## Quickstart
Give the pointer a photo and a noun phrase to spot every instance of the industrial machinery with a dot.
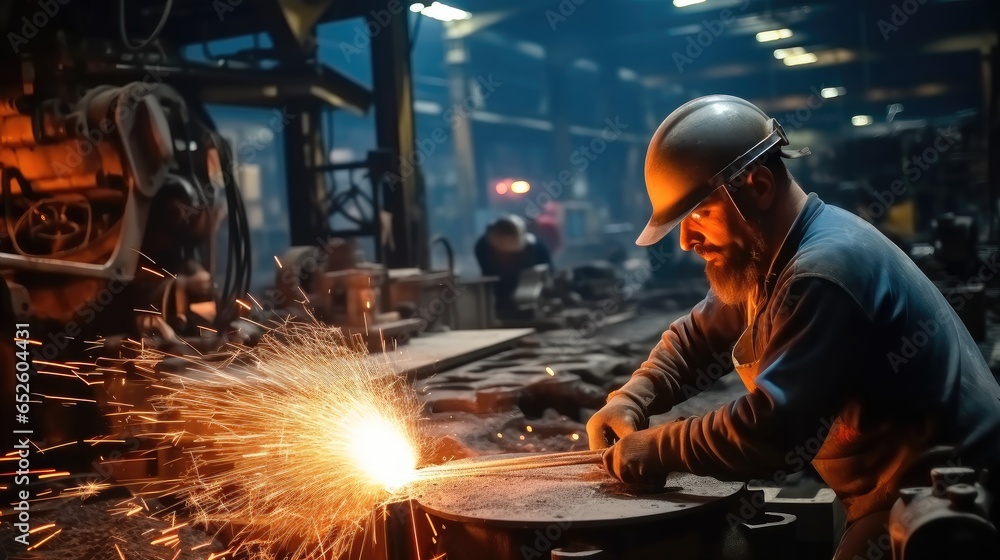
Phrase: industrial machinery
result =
(123, 225)
(111, 201)
(335, 285)
(949, 519)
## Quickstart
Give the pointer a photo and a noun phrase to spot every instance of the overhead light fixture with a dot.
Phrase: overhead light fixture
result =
(861, 120)
(439, 11)
(773, 35)
(502, 187)
(686, 3)
(790, 51)
(800, 59)
(831, 92)
(586, 64)
(520, 187)
(627, 75)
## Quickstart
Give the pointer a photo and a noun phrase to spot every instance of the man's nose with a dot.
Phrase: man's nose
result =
(689, 236)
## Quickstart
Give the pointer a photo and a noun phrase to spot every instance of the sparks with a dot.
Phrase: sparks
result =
(300, 438)
(304, 422)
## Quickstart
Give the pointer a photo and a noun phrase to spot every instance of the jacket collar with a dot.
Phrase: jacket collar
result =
(810, 210)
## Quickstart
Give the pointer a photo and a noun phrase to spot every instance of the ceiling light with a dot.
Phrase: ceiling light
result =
(799, 59)
(520, 187)
(627, 74)
(790, 51)
(831, 92)
(442, 12)
(416, 7)
(586, 64)
(861, 120)
(773, 35)
(686, 3)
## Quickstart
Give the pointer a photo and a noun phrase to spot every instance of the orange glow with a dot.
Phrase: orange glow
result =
(501, 187)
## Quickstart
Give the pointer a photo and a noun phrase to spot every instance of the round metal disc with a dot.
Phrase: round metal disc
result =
(582, 494)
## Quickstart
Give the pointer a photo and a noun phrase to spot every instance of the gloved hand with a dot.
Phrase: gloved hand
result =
(620, 417)
(636, 458)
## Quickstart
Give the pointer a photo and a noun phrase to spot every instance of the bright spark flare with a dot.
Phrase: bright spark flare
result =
(299, 439)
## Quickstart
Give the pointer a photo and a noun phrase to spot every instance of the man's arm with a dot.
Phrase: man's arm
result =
(690, 356)
(810, 363)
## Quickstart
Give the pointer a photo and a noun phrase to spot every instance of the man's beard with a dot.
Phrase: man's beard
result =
(740, 270)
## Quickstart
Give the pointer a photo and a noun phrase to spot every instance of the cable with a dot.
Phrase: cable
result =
(152, 37)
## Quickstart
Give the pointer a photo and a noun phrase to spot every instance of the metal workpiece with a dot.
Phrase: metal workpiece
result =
(584, 495)
(579, 511)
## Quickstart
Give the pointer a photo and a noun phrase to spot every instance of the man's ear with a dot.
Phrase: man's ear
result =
(762, 187)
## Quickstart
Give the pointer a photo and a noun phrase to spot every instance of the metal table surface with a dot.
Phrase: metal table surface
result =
(582, 494)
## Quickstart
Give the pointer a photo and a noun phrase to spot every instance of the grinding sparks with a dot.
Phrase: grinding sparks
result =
(301, 438)
(384, 452)
(297, 444)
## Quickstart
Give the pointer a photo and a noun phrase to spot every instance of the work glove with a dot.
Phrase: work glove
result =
(620, 417)
(636, 459)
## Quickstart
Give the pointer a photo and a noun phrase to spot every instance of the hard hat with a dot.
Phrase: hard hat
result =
(703, 145)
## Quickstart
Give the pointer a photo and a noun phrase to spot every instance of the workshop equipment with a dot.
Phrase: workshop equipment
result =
(949, 519)
(334, 284)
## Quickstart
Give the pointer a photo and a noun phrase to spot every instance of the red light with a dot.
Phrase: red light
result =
(501, 187)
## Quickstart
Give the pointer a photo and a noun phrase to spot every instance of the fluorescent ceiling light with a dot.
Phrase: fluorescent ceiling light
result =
(831, 92)
(790, 51)
(439, 11)
(861, 120)
(586, 64)
(686, 3)
(773, 35)
(799, 59)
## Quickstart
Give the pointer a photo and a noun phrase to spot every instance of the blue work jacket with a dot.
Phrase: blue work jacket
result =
(854, 361)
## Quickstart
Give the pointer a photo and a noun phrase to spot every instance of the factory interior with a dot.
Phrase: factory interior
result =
(484, 280)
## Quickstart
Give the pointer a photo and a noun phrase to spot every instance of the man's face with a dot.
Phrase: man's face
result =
(506, 244)
(734, 249)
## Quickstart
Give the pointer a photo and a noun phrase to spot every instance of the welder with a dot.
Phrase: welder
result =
(853, 360)
(505, 251)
